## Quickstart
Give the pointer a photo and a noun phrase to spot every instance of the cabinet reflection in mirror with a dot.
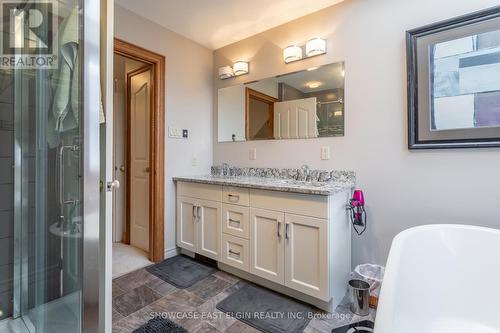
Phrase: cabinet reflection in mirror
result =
(300, 105)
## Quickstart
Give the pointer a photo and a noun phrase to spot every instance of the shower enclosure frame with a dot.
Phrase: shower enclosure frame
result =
(91, 259)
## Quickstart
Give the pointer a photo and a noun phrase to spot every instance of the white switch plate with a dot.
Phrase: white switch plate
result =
(325, 153)
(253, 154)
(195, 161)
(174, 132)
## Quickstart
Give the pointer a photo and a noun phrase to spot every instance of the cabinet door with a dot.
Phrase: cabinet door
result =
(186, 223)
(209, 228)
(306, 255)
(267, 244)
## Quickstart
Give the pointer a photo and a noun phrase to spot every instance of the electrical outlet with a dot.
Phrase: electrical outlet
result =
(253, 154)
(195, 161)
(325, 153)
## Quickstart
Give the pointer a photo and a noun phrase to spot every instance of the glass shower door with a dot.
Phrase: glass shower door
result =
(45, 46)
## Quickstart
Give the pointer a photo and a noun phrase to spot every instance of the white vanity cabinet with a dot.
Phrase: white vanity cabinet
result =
(296, 243)
(199, 211)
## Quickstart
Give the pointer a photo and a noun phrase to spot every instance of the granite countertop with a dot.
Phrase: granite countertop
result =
(273, 184)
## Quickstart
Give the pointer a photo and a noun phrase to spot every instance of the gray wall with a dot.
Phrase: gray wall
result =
(188, 99)
(403, 189)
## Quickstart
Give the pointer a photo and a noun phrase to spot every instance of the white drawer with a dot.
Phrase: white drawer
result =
(292, 203)
(199, 191)
(235, 220)
(235, 252)
(235, 195)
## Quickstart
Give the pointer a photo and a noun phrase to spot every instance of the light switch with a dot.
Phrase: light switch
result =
(253, 154)
(195, 161)
(325, 153)
(174, 132)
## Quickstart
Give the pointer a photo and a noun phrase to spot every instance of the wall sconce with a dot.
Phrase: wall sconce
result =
(239, 68)
(313, 47)
(225, 72)
(292, 53)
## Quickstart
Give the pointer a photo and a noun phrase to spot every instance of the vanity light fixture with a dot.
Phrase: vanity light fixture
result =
(240, 68)
(292, 53)
(226, 72)
(315, 46)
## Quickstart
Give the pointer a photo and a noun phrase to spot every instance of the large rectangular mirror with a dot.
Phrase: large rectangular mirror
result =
(300, 105)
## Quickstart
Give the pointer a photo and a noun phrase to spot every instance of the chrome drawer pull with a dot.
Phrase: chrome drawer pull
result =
(279, 230)
(234, 253)
(236, 196)
(234, 221)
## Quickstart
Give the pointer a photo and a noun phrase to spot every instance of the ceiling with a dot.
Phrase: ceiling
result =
(216, 23)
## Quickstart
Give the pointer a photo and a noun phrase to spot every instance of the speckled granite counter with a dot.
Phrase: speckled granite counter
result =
(274, 184)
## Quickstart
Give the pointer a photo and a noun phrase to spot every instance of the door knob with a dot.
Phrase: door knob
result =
(122, 168)
(114, 185)
(146, 169)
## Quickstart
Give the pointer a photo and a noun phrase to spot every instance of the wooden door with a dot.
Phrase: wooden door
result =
(295, 119)
(139, 114)
(267, 249)
(186, 223)
(306, 255)
(209, 228)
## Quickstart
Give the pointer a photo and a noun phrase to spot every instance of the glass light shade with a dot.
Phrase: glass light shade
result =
(315, 47)
(292, 53)
(240, 68)
(225, 72)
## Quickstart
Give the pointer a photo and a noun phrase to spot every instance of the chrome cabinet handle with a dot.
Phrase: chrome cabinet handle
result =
(234, 253)
(198, 211)
(236, 196)
(279, 229)
(234, 221)
(286, 230)
(194, 211)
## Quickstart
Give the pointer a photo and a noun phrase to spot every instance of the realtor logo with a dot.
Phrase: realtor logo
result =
(28, 38)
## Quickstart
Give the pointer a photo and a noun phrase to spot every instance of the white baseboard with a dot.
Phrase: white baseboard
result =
(169, 253)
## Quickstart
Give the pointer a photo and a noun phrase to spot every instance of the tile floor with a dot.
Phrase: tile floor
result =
(140, 295)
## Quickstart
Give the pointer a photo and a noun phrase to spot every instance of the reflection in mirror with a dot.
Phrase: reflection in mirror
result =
(301, 105)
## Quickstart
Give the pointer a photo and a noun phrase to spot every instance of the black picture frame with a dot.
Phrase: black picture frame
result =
(414, 110)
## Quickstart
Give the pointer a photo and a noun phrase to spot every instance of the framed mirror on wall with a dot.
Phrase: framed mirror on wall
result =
(301, 105)
(454, 83)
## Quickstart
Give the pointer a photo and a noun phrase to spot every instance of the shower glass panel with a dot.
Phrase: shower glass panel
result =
(41, 122)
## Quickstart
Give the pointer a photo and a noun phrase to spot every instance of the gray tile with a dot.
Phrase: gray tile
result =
(7, 146)
(134, 279)
(232, 279)
(6, 170)
(116, 316)
(161, 287)
(7, 257)
(134, 300)
(241, 327)
(6, 224)
(6, 272)
(117, 291)
(131, 322)
(205, 327)
(209, 287)
(180, 301)
(6, 197)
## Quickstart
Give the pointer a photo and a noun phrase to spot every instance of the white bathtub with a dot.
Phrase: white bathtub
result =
(442, 279)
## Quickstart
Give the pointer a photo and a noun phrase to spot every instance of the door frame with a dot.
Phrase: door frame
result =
(157, 151)
(269, 100)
